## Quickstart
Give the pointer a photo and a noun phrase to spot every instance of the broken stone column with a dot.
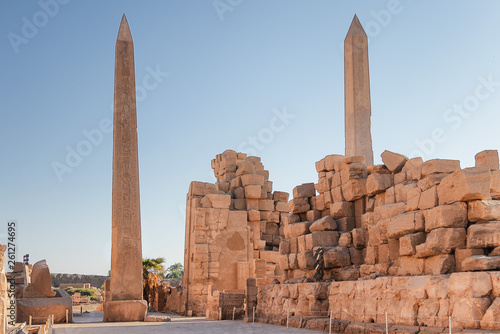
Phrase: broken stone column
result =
(126, 302)
(358, 138)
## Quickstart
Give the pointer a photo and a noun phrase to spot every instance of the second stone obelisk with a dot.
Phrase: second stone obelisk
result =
(126, 302)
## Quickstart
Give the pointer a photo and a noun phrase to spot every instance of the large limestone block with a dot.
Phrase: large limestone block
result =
(253, 191)
(428, 199)
(491, 316)
(483, 235)
(299, 205)
(484, 210)
(469, 285)
(439, 264)
(487, 158)
(304, 190)
(441, 241)
(465, 185)
(252, 179)
(406, 223)
(280, 196)
(216, 201)
(294, 230)
(431, 180)
(410, 265)
(41, 308)
(125, 310)
(453, 215)
(462, 254)
(408, 243)
(346, 224)
(341, 209)
(353, 171)
(393, 161)
(337, 257)
(270, 256)
(388, 211)
(331, 160)
(495, 184)
(202, 188)
(354, 189)
(435, 166)
(359, 238)
(321, 239)
(378, 183)
(481, 262)
(326, 223)
(468, 312)
(306, 259)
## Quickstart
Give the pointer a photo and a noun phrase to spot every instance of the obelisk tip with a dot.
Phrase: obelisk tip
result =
(356, 29)
(124, 31)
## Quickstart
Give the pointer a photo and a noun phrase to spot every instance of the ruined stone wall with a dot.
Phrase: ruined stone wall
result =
(415, 239)
(407, 300)
(233, 229)
(407, 217)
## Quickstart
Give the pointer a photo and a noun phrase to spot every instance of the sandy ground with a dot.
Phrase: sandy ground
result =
(92, 323)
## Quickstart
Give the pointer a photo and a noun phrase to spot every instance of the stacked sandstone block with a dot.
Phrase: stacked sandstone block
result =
(471, 299)
(406, 217)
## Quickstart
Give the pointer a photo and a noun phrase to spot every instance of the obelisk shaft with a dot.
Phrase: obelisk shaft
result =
(126, 252)
(358, 138)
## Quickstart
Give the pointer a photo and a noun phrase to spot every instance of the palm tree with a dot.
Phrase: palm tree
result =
(152, 275)
(175, 271)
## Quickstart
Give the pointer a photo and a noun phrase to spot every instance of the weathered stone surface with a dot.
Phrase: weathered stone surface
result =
(359, 238)
(377, 183)
(435, 166)
(157, 318)
(41, 308)
(468, 312)
(410, 265)
(394, 161)
(217, 201)
(491, 316)
(345, 239)
(401, 225)
(483, 235)
(341, 209)
(321, 239)
(465, 185)
(469, 285)
(354, 189)
(252, 179)
(439, 264)
(353, 171)
(326, 223)
(388, 211)
(487, 158)
(453, 215)
(408, 243)
(495, 184)
(358, 139)
(126, 251)
(41, 282)
(484, 210)
(280, 196)
(331, 160)
(428, 199)
(431, 180)
(462, 254)
(294, 230)
(299, 205)
(337, 257)
(441, 241)
(125, 310)
(306, 259)
(346, 224)
(481, 262)
(304, 190)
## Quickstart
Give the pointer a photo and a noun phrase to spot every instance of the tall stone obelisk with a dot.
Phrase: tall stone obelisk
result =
(358, 138)
(126, 302)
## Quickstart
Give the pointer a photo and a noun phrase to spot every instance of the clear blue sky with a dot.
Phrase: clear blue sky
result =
(229, 71)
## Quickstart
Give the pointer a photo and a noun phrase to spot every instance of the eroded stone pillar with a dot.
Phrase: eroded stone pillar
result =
(126, 302)
(358, 138)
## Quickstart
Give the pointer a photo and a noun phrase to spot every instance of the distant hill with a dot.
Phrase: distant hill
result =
(94, 280)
